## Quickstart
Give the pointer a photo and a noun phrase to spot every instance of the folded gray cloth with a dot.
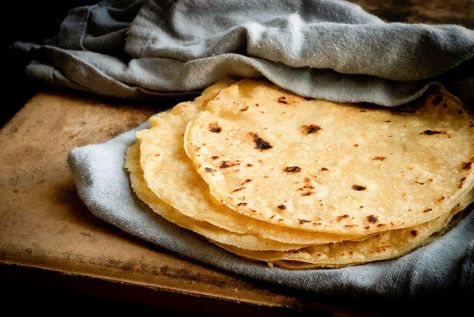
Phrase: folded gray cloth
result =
(103, 184)
(317, 48)
(324, 49)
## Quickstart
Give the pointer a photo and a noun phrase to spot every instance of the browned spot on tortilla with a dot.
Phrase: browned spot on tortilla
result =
(248, 180)
(388, 121)
(214, 127)
(427, 210)
(214, 157)
(310, 128)
(363, 110)
(292, 169)
(281, 207)
(245, 108)
(303, 221)
(413, 232)
(324, 169)
(358, 187)
(157, 154)
(355, 145)
(380, 225)
(306, 187)
(372, 218)
(418, 182)
(242, 204)
(466, 165)
(350, 226)
(249, 165)
(441, 198)
(461, 182)
(339, 218)
(226, 164)
(367, 227)
(378, 158)
(437, 100)
(210, 170)
(260, 144)
(432, 132)
(283, 100)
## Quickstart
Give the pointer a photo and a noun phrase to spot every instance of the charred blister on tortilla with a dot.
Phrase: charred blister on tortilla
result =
(260, 144)
(372, 218)
(283, 100)
(432, 132)
(358, 187)
(227, 164)
(461, 182)
(341, 217)
(310, 128)
(292, 169)
(210, 170)
(214, 127)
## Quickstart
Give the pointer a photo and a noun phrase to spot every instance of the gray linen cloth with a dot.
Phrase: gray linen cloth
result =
(324, 49)
(317, 48)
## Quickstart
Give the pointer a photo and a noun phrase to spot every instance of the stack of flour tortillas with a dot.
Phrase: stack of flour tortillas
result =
(304, 183)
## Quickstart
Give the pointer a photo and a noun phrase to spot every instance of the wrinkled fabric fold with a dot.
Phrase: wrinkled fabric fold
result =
(317, 48)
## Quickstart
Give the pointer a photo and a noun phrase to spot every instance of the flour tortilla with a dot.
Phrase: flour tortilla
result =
(329, 167)
(172, 178)
(242, 241)
(384, 245)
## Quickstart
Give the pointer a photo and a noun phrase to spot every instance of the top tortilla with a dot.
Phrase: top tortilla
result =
(331, 167)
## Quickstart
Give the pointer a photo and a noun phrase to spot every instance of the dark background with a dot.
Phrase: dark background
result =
(28, 21)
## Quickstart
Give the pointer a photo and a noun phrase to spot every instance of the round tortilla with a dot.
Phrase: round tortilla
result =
(172, 178)
(329, 167)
